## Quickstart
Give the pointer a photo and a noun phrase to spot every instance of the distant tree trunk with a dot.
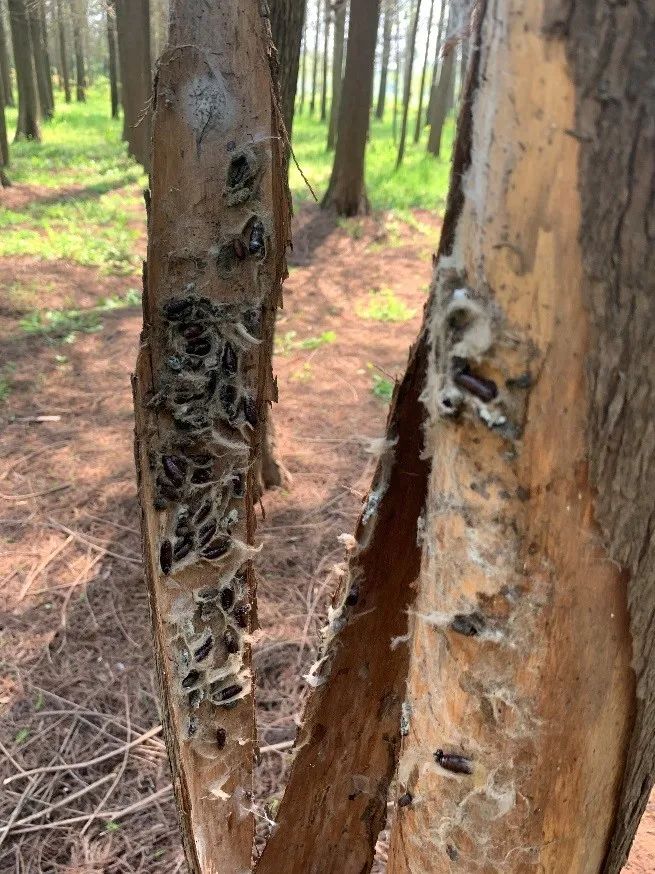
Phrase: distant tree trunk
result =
(78, 48)
(326, 45)
(437, 59)
(63, 53)
(303, 68)
(396, 75)
(409, 66)
(287, 22)
(28, 95)
(312, 102)
(4, 144)
(340, 8)
(113, 58)
(46, 52)
(5, 66)
(419, 115)
(443, 98)
(386, 53)
(133, 29)
(38, 50)
(347, 190)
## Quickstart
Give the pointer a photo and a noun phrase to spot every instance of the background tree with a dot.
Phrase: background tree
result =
(41, 66)
(419, 113)
(388, 10)
(214, 178)
(287, 23)
(28, 98)
(339, 8)
(4, 143)
(63, 52)
(78, 48)
(347, 191)
(303, 71)
(113, 58)
(409, 66)
(312, 101)
(133, 30)
(5, 66)
(43, 23)
(326, 44)
(443, 95)
(437, 60)
(396, 75)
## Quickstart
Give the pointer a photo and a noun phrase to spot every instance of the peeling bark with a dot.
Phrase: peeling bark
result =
(218, 227)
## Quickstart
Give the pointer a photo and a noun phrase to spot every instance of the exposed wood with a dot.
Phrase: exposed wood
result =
(409, 66)
(347, 191)
(217, 226)
(133, 33)
(521, 693)
(340, 8)
(28, 98)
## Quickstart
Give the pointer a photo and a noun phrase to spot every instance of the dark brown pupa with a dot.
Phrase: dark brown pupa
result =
(454, 763)
(166, 556)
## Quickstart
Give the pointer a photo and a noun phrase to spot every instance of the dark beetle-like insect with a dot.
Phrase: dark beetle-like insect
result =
(405, 800)
(207, 532)
(183, 548)
(191, 679)
(453, 762)
(231, 641)
(167, 490)
(238, 484)
(257, 245)
(203, 512)
(241, 614)
(178, 308)
(484, 389)
(221, 738)
(204, 649)
(166, 556)
(229, 360)
(174, 468)
(227, 598)
(468, 624)
(250, 411)
(199, 347)
(217, 548)
(229, 692)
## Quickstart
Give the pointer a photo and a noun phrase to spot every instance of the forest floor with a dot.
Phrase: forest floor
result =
(77, 682)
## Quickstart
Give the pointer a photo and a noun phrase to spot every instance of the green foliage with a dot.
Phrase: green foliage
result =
(352, 226)
(93, 218)
(421, 182)
(382, 387)
(286, 343)
(5, 388)
(64, 325)
(384, 306)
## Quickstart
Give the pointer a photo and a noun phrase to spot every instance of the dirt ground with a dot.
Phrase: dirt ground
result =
(76, 685)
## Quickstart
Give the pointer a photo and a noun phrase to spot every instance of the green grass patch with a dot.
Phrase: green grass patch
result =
(287, 342)
(64, 325)
(382, 387)
(384, 306)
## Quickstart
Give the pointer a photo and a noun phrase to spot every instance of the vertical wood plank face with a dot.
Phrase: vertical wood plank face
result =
(521, 696)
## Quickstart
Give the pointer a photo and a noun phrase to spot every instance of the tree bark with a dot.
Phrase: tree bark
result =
(287, 23)
(133, 30)
(28, 98)
(78, 48)
(443, 98)
(396, 78)
(303, 67)
(386, 54)
(63, 53)
(5, 67)
(347, 191)
(340, 8)
(38, 50)
(419, 114)
(326, 44)
(312, 102)
(218, 225)
(435, 68)
(46, 52)
(4, 144)
(409, 66)
(113, 58)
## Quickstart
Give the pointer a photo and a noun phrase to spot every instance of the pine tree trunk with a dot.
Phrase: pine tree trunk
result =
(113, 58)
(303, 67)
(396, 77)
(326, 44)
(287, 22)
(28, 97)
(133, 31)
(5, 67)
(218, 224)
(46, 52)
(312, 102)
(386, 53)
(443, 97)
(4, 144)
(78, 48)
(63, 53)
(409, 66)
(436, 67)
(347, 191)
(337, 69)
(419, 114)
(38, 50)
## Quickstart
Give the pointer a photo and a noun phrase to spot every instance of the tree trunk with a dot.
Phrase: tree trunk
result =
(340, 8)
(396, 77)
(312, 102)
(435, 68)
(419, 114)
(443, 97)
(78, 48)
(326, 43)
(287, 22)
(38, 50)
(63, 53)
(218, 225)
(409, 66)
(5, 67)
(46, 52)
(303, 67)
(4, 144)
(28, 98)
(113, 59)
(133, 30)
(386, 53)
(347, 191)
